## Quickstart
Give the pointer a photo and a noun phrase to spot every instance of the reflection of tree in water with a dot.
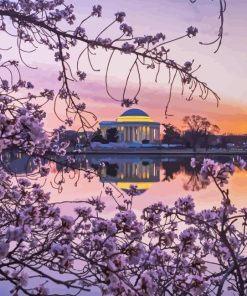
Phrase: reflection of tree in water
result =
(111, 169)
(171, 170)
(126, 170)
(194, 182)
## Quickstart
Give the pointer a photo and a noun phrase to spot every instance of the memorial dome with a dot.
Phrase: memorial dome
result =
(134, 115)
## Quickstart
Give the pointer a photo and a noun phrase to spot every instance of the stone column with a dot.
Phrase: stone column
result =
(157, 134)
(144, 132)
(122, 134)
(139, 134)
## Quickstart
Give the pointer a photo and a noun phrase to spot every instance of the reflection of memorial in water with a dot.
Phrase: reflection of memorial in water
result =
(80, 162)
(124, 170)
(18, 162)
(141, 173)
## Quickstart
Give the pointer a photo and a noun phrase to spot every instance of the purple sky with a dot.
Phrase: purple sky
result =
(224, 71)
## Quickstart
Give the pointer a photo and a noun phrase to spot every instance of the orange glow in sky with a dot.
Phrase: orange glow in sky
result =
(224, 71)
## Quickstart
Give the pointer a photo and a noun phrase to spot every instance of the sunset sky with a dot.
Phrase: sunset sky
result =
(224, 72)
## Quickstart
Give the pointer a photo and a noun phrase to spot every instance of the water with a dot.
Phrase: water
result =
(158, 178)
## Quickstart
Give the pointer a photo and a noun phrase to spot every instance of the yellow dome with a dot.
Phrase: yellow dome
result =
(134, 115)
(141, 186)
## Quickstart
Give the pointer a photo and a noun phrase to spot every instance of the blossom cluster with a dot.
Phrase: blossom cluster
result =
(168, 250)
(22, 126)
(165, 250)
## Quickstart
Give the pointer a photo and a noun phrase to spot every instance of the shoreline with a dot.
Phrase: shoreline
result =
(158, 152)
(149, 151)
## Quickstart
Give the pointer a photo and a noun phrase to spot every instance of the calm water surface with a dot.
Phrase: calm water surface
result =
(158, 178)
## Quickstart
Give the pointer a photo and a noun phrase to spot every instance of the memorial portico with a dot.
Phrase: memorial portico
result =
(134, 126)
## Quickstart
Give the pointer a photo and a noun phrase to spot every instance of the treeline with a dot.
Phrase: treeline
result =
(112, 135)
(199, 132)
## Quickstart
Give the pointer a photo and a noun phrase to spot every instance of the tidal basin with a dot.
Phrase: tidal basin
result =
(157, 177)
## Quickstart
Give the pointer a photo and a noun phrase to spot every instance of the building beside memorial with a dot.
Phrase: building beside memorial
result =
(134, 127)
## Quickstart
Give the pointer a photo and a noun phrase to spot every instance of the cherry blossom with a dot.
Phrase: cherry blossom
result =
(163, 251)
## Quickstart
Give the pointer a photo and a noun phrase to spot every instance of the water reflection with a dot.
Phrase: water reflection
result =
(142, 171)
(19, 163)
(127, 171)
(174, 167)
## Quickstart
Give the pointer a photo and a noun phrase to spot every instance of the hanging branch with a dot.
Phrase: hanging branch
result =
(148, 48)
(219, 39)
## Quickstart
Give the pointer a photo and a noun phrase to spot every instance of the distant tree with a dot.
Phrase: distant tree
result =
(171, 134)
(198, 129)
(112, 135)
(98, 137)
(145, 141)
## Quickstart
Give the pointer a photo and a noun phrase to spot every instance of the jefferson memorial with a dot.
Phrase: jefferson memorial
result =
(134, 127)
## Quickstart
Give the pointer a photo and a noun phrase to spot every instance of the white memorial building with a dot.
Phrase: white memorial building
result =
(134, 127)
